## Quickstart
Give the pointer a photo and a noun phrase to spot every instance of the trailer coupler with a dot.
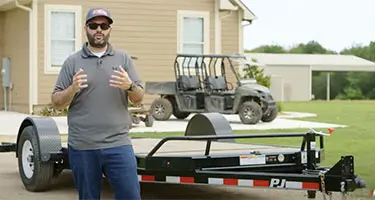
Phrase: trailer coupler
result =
(341, 177)
(8, 147)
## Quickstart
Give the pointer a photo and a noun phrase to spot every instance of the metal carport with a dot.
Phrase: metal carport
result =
(314, 62)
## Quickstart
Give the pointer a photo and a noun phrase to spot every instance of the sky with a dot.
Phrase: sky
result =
(335, 24)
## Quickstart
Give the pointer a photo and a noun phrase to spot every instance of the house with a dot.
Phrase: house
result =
(36, 36)
(291, 74)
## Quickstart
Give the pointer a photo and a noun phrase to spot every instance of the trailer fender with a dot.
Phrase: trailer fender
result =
(209, 124)
(47, 134)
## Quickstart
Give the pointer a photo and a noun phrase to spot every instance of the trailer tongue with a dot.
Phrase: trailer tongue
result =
(207, 154)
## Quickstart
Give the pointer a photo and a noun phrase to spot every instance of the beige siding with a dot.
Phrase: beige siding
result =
(230, 40)
(147, 29)
(290, 83)
(16, 47)
(230, 34)
(1, 57)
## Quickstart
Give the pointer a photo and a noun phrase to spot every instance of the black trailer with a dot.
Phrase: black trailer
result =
(207, 154)
(140, 114)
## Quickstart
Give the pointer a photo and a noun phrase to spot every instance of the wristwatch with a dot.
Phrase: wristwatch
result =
(132, 87)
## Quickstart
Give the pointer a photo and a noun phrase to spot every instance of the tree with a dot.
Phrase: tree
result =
(312, 47)
(268, 49)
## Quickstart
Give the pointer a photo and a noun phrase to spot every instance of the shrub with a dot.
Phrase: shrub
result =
(53, 112)
(279, 106)
(257, 73)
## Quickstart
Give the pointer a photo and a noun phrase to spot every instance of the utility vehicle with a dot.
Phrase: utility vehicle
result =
(211, 83)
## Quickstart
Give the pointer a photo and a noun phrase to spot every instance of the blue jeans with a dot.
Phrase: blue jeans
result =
(118, 164)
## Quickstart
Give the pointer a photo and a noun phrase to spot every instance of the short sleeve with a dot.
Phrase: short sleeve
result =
(130, 68)
(65, 77)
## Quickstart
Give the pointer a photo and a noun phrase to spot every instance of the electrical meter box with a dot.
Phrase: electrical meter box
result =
(5, 72)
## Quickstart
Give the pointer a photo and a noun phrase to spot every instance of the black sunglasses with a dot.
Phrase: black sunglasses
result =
(94, 26)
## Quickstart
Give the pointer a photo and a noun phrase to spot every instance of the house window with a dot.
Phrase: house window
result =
(193, 33)
(62, 35)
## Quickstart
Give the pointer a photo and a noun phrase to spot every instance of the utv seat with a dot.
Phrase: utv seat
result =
(220, 98)
(217, 85)
(190, 87)
(188, 83)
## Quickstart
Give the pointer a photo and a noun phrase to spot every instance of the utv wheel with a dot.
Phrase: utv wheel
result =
(161, 109)
(270, 116)
(180, 115)
(176, 112)
(35, 175)
(250, 112)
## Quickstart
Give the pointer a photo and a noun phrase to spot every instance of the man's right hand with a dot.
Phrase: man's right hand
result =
(78, 81)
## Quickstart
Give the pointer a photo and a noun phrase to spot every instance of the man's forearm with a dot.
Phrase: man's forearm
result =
(136, 96)
(62, 98)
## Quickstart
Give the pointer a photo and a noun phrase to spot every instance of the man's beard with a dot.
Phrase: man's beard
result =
(95, 43)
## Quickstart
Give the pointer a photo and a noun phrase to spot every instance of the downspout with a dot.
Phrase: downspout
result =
(218, 42)
(217, 28)
(31, 48)
(241, 29)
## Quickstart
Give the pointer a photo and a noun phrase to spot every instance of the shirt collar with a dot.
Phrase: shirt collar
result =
(87, 53)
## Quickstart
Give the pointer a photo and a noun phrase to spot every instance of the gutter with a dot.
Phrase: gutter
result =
(248, 15)
(32, 51)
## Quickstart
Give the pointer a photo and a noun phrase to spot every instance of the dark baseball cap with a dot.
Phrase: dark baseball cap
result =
(99, 12)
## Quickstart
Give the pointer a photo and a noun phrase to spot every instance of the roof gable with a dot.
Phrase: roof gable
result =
(248, 15)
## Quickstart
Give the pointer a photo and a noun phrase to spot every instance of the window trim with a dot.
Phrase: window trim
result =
(206, 30)
(48, 9)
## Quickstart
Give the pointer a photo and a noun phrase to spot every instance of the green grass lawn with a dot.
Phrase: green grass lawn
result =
(358, 139)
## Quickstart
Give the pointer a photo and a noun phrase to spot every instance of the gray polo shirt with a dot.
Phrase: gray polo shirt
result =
(98, 115)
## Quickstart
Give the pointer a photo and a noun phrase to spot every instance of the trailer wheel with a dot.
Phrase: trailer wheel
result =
(35, 175)
(250, 112)
(135, 119)
(149, 121)
(161, 109)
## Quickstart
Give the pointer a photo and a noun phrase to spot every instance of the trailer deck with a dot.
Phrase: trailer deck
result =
(142, 146)
(209, 154)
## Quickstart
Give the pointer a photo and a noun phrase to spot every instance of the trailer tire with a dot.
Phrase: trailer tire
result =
(39, 177)
(149, 121)
(135, 119)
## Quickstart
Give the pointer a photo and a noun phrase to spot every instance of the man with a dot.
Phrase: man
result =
(96, 82)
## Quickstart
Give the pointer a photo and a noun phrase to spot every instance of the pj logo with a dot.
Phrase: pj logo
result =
(278, 183)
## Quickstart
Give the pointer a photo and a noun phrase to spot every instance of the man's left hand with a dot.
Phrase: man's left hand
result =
(120, 80)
